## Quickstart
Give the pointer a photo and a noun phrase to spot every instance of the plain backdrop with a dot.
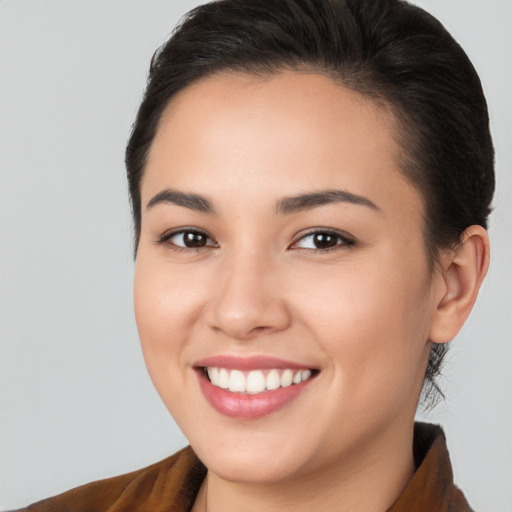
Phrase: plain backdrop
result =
(76, 403)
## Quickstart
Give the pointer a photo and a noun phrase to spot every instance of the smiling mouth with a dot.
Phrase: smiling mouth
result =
(256, 381)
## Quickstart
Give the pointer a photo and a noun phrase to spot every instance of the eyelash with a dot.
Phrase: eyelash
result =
(343, 240)
(165, 238)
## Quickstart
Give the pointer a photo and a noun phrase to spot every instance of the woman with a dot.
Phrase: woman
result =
(310, 184)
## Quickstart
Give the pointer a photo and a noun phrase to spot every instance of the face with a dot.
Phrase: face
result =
(282, 253)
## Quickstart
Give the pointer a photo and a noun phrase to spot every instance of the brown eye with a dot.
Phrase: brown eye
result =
(194, 239)
(190, 239)
(323, 240)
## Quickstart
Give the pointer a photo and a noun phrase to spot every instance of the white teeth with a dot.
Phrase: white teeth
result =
(213, 374)
(236, 382)
(255, 381)
(223, 381)
(273, 380)
(286, 378)
(305, 374)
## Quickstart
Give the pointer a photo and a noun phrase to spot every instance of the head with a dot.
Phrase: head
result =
(388, 51)
(310, 184)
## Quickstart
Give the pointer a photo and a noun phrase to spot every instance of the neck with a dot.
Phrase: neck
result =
(368, 480)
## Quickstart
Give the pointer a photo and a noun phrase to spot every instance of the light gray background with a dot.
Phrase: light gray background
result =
(75, 401)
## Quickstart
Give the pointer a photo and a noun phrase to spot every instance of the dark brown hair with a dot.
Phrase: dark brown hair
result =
(388, 50)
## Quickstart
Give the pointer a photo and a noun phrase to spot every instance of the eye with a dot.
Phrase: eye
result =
(323, 241)
(187, 239)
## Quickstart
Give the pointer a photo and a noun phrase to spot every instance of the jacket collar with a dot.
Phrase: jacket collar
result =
(431, 487)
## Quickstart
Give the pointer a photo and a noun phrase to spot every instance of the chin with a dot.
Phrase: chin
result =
(243, 468)
(252, 460)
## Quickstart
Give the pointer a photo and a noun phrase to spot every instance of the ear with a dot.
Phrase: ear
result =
(462, 271)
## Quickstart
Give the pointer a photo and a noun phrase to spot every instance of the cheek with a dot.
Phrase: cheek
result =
(165, 309)
(166, 312)
(372, 322)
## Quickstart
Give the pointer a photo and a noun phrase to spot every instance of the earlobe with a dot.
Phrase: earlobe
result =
(462, 271)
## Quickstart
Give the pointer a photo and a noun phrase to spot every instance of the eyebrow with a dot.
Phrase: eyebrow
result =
(284, 206)
(188, 200)
(311, 200)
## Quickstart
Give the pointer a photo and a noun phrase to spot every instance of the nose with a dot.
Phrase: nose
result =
(248, 299)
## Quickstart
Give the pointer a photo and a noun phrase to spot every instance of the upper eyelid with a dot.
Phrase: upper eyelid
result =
(166, 235)
(314, 231)
(185, 229)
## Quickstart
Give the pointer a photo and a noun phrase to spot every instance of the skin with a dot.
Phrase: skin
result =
(363, 313)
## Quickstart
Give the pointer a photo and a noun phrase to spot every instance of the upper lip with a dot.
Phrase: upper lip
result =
(248, 363)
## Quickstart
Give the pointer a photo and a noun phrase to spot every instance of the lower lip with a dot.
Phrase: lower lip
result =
(242, 405)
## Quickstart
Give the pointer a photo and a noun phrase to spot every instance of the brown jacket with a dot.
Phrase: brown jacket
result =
(171, 485)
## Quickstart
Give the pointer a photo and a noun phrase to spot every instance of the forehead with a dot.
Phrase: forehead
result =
(277, 135)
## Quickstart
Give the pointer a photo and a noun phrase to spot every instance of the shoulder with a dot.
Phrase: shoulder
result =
(169, 485)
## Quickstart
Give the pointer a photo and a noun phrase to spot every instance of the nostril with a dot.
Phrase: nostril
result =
(260, 328)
